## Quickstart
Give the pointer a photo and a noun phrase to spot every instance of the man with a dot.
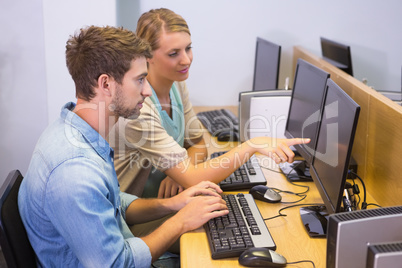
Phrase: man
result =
(69, 200)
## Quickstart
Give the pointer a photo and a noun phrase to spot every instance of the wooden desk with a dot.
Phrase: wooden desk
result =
(288, 232)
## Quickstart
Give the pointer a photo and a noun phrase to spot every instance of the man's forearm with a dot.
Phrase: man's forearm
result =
(163, 237)
(143, 210)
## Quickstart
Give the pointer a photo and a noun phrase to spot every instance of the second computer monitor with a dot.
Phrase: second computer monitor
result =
(266, 65)
(304, 116)
(306, 106)
(330, 164)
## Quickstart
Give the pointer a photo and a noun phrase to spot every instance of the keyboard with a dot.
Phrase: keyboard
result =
(217, 121)
(245, 177)
(243, 228)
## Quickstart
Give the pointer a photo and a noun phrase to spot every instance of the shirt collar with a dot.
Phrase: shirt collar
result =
(96, 141)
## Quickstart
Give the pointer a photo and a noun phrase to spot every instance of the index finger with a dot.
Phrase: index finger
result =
(291, 142)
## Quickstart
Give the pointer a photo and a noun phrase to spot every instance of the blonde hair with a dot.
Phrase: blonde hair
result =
(151, 24)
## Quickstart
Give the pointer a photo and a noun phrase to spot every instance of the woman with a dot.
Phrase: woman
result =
(168, 135)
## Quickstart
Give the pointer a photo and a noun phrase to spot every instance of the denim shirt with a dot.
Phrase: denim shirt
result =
(70, 201)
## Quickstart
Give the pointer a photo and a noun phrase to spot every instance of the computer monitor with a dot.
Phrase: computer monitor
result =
(266, 65)
(337, 54)
(304, 116)
(330, 164)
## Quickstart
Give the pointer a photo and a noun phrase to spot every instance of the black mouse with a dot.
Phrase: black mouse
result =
(227, 135)
(262, 257)
(266, 194)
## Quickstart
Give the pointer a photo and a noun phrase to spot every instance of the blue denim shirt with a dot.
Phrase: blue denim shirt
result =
(70, 201)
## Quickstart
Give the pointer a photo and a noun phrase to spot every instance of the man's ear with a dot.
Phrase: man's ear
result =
(104, 84)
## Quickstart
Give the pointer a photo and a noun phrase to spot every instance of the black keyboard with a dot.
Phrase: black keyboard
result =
(243, 228)
(217, 121)
(245, 177)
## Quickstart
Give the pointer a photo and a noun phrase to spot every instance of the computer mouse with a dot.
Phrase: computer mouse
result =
(227, 135)
(266, 194)
(262, 257)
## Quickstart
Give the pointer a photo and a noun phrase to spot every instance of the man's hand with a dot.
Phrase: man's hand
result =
(200, 210)
(204, 188)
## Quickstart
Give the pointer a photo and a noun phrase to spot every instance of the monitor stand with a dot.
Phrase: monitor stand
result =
(298, 171)
(315, 220)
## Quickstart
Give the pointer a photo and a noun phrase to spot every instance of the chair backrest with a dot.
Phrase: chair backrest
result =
(14, 241)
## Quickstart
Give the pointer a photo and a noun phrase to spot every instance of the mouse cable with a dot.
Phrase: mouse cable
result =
(270, 169)
(286, 175)
(292, 206)
(364, 203)
(295, 262)
(373, 204)
(301, 195)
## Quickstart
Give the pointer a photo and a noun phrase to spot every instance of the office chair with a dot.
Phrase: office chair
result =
(14, 241)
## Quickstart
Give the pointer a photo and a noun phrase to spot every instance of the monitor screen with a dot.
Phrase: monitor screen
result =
(337, 54)
(330, 164)
(306, 106)
(266, 65)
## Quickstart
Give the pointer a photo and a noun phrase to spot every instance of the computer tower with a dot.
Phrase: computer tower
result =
(245, 99)
(384, 255)
(350, 233)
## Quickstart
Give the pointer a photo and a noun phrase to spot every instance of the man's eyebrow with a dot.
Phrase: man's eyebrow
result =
(143, 74)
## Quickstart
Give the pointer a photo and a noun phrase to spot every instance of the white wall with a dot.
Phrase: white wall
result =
(34, 80)
(224, 34)
(23, 109)
(62, 19)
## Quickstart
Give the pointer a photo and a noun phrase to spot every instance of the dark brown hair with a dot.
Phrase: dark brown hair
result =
(94, 51)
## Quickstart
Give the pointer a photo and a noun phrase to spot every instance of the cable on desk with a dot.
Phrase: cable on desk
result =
(287, 178)
(372, 204)
(301, 195)
(295, 262)
(298, 205)
(364, 203)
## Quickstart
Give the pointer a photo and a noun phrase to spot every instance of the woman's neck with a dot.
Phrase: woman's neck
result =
(162, 90)
(161, 87)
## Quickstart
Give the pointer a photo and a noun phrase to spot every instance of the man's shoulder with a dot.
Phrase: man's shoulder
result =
(61, 142)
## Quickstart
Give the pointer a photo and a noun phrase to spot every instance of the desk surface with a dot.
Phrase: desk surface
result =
(288, 232)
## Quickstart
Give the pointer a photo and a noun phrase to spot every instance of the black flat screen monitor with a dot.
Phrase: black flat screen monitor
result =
(266, 65)
(337, 54)
(304, 116)
(330, 164)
